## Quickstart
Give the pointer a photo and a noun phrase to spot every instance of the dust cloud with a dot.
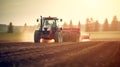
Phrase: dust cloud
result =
(27, 36)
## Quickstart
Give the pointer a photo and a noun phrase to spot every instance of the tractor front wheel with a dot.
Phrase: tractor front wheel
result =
(37, 36)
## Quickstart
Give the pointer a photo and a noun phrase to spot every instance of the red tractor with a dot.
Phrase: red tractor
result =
(48, 29)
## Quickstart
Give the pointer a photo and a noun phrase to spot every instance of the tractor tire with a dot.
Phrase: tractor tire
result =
(58, 37)
(37, 36)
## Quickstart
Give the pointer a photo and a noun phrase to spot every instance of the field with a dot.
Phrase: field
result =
(17, 37)
(18, 50)
(69, 54)
(10, 36)
(105, 35)
(29, 36)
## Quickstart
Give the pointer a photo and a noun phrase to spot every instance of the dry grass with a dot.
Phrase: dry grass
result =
(16, 37)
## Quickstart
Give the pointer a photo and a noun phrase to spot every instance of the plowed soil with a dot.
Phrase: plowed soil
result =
(68, 54)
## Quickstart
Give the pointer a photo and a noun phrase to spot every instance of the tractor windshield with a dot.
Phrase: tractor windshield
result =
(50, 22)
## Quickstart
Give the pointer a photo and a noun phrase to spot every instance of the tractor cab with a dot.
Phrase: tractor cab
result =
(49, 23)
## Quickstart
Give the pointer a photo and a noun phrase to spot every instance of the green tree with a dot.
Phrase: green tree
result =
(106, 25)
(114, 24)
(10, 28)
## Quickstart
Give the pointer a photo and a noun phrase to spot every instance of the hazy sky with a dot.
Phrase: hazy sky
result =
(26, 11)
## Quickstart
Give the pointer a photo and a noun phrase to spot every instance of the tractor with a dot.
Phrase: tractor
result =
(48, 29)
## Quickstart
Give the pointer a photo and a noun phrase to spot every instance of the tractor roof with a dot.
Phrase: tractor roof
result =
(50, 18)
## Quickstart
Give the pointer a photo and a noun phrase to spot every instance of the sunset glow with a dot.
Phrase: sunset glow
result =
(27, 11)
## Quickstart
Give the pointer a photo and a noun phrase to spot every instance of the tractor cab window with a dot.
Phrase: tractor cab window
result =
(50, 22)
(46, 22)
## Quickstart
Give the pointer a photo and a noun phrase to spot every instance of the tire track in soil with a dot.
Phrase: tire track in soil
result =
(64, 61)
(26, 56)
(53, 57)
(102, 55)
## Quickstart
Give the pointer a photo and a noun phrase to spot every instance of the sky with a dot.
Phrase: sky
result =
(20, 12)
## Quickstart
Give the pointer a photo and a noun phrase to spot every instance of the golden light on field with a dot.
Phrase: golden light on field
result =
(27, 11)
(41, 40)
(47, 40)
(51, 41)
(27, 37)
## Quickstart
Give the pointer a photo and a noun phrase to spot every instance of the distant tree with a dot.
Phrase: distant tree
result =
(71, 24)
(106, 25)
(25, 27)
(114, 24)
(65, 24)
(79, 25)
(91, 20)
(96, 26)
(10, 28)
(87, 25)
(92, 24)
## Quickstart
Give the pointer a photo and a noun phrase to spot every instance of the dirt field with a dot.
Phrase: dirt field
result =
(69, 54)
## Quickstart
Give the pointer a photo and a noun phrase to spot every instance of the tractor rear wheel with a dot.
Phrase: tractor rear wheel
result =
(58, 37)
(37, 36)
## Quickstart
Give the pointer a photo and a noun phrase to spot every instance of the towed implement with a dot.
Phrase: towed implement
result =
(71, 34)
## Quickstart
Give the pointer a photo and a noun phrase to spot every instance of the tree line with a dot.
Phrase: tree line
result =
(90, 26)
(70, 25)
(94, 25)
(25, 28)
